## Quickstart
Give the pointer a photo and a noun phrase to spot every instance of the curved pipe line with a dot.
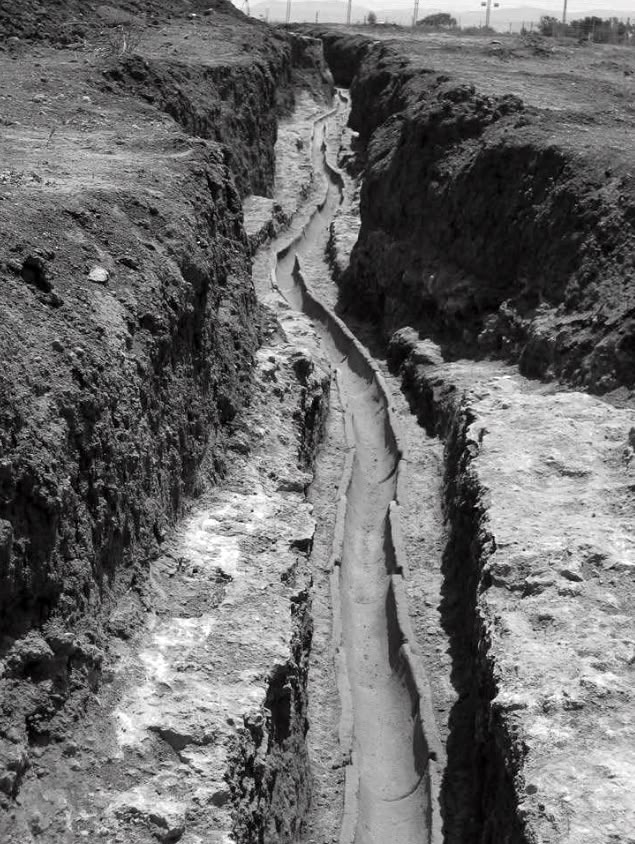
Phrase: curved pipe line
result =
(406, 795)
(410, 669)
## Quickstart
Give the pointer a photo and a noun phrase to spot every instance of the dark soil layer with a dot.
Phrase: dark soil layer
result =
(129, 320)
(499, 223)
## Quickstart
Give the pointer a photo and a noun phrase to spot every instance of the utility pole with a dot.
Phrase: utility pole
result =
(415, 14)
(564, 12)
(488, 10)
(348, 12)
(288, 15)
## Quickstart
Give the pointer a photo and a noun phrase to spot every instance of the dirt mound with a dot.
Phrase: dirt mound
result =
(72, 22)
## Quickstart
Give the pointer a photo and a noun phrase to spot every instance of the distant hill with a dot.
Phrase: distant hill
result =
(334, 11)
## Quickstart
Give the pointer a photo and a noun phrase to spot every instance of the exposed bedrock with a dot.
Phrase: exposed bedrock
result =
(528, 618)
(270, 777)
(129, 329)
(483, 226)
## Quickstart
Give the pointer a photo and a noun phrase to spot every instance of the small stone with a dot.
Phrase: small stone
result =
(401, 344)
(571, 574)
(220, 797)
(55, 300)
(426, 353)
(99, 275)
(571, 590)
(535, 584)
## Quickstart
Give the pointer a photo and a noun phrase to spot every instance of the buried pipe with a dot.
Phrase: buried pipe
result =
(386, 711)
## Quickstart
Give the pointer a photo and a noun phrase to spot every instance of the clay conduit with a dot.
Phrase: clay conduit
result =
(392, 781)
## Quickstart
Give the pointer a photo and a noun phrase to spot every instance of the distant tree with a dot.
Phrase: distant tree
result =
(593, 28)
(372, 18)
(441, 20)
(547, 25)
(477, 30)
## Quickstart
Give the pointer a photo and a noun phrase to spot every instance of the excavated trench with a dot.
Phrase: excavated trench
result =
(210, 701)
(492, 718)
(393, 753)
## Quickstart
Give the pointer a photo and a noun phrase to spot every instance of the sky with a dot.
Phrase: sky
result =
(430, 6)
(473, 5)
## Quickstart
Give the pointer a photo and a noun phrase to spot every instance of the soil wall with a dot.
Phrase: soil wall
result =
(484, 774)
(482, 226)
(129, 329)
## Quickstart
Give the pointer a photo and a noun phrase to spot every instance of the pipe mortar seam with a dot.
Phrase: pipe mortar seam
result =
(346, 722)
(397, 600)
(337, 548)
(421, 691)
(396, 538)
(348, 830)
(347, 473)
(349, 431)
(401, 485)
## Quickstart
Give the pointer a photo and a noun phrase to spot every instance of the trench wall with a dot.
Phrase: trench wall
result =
(481, 226)
(117, 401)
